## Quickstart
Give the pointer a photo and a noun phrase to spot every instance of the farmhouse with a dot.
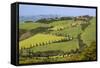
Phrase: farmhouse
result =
(85, 18)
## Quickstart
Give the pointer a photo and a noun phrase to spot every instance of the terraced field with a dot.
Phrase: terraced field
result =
(63, 46)
(40, 39)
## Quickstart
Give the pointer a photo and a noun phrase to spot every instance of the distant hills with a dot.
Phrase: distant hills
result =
(36, 17)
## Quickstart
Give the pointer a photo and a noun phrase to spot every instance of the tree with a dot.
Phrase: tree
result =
(28, 21)
(89, 53)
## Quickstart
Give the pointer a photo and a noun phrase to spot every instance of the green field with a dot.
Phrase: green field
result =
(89, 34)
(30, 25)
(63, 46)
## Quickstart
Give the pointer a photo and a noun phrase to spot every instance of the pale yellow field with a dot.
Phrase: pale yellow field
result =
(39, 39)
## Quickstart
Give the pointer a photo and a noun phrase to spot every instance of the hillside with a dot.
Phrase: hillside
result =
(68, 37)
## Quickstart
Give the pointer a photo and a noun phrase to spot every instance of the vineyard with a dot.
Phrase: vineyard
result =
(61, 40)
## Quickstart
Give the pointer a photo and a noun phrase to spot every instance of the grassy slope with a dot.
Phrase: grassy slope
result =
(64, 46)
(65, 23)
(89, 34)
(39, 39)
(29, 26)
(73, 31)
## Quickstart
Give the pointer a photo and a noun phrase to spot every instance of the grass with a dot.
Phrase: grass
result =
(89, 34)
(63, 46)
(72, 31)
(29, 26)
(61, 23)
(39, 39)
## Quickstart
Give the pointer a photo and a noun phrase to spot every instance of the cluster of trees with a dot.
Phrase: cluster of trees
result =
(29, 53)
(85, 18)
(89, 53)
(50, 20)
(45, 20)
(66, 18)
(28, 21)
